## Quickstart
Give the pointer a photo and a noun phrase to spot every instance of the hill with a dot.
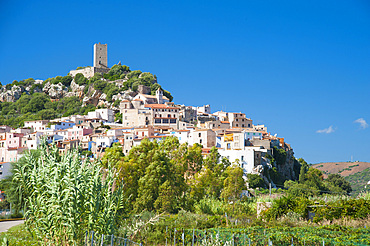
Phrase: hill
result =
(357, 173)
(32, 99)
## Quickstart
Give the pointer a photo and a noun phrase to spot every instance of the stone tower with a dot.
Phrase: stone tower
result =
(101, 55)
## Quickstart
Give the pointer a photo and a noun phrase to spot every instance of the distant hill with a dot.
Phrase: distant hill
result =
(357, 173)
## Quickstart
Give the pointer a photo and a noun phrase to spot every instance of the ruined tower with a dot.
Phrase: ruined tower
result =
(101, 55)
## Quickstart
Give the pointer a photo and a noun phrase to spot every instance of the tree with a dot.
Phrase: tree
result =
(234, 183)
(279, 156)
(46, 114)
(118, 70)
(210, 180)
(80, 79)
(336, 181)
(38, 101)
(255, 181)
(66, 80)
(303, 171)
(112, 156)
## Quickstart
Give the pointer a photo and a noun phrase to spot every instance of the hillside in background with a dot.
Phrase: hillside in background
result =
(357, 173)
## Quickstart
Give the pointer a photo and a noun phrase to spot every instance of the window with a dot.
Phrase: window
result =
(200, 134)
(165, 120)
(228, 147)
(172, 121)
(200, 141)
(249, 125)
(169, 116)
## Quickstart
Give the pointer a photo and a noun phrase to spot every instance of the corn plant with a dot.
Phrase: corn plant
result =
(67, 197)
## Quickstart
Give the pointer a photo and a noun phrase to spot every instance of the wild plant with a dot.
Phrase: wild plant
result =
(67, 197)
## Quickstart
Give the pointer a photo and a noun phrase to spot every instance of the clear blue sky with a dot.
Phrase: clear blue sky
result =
(296, 66)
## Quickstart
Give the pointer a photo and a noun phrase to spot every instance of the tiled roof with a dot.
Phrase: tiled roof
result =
(159, 106)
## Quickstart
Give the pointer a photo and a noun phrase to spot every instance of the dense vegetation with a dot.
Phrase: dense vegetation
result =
(163, 185)
(38, 106)
(64, 197)
(167, 177)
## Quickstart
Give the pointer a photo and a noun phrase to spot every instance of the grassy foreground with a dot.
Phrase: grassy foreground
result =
(18, 235)
(305, 235)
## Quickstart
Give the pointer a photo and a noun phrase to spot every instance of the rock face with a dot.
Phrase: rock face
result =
(55, 91)
(288, 168)
(76, 90)
(93, 99)
(123, 96)
(11, 95)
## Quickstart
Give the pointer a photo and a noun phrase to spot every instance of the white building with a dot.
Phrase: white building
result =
(36, 125)
(103, 113)
(182, 135)
(248, 157)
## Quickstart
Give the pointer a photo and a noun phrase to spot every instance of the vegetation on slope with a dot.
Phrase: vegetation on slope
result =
(359, 181)
(38, 106)
(34, 104)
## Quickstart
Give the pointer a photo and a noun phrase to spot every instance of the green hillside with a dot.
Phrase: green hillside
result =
(29, 99)
(359, 180)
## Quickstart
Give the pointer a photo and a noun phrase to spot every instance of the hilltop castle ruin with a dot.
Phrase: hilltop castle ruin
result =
(100, 62)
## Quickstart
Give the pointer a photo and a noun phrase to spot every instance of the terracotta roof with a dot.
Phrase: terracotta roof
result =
(159, 106)
(225, 122)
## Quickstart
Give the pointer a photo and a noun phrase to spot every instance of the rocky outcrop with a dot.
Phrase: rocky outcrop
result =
(93, 99)
(127, 95)
(11, 95)
(76, 90)
(55, 91)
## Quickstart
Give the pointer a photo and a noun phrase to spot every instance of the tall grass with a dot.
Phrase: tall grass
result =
(66, 197)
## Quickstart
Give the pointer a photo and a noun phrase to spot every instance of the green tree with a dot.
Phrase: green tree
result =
(112, 156)
(80, 79)
(255, 181)
(38, 101)
(234, 184)
(66, 80)
(279, 156)
(303, 171)
(337, 183)
(210, 180)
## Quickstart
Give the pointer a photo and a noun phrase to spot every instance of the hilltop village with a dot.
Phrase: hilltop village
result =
(131, 115)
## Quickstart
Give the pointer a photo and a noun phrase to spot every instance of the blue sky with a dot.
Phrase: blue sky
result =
(300, 67)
